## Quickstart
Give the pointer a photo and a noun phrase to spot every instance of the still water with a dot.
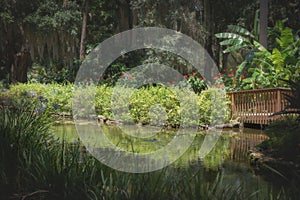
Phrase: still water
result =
(228, 154)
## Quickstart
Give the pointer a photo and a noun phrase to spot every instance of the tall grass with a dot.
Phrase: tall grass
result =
(34, 165)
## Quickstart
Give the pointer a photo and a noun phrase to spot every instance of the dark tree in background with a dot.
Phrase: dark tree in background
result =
(263, 21)
(57, 34)
(83, 29)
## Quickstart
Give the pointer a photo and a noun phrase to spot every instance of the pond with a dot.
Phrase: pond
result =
(228, 155)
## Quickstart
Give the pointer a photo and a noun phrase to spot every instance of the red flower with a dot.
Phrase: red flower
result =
(230, 75)
(220, 85)
(243, 77)
(185, 76)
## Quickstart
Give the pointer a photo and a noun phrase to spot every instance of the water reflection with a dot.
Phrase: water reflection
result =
(229, 155)
(231, 145)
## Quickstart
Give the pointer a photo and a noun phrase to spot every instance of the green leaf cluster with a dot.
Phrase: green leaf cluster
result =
(151, 104)
(52, 16)
(266, 67)
(284, 139)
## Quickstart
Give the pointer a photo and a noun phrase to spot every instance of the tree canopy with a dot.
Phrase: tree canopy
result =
(57, 33)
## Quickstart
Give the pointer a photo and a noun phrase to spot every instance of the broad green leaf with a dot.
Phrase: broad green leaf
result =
(256, 24)
(240, 69)
(233, 42)
(240, 30)
(286, 38)
(255, 74)
(259, 46)
(263, 55)
(235, 48)
(251, 70)
(247, 87)
(248, 80)
(278, 41)
(263, 62)
(277, 59)
(230, 36)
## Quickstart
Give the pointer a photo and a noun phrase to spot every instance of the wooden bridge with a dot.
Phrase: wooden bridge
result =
(240, 145)
(256, 106)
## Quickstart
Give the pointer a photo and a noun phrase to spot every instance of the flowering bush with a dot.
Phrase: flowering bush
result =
(196, 82)
(53, 98)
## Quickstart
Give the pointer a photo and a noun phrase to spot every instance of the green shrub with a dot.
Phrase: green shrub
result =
(103, 100)
(196, 81)
(48, 74)
(157, 105)
(262, 67)
(214, 107)
(56, 98)
(159, 100)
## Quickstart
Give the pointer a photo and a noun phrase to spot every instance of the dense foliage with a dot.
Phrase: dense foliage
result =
(57, 99)
(262, 67)
(43, 42)
(284, 139)
(284, 134)
(50, 33)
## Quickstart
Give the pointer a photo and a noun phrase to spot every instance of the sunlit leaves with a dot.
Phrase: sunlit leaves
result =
(240, 30)
(277, 59)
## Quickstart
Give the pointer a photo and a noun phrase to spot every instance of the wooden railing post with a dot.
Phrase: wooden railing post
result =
(233, 110)
(278, 103)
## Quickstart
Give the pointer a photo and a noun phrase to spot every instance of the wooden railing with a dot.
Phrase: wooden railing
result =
(256, 106)
(241, 145)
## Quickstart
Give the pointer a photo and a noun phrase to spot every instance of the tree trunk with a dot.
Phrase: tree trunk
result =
(263, 22)
(208, 23)
(18, 54)
(124, 16)
(83, 30)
